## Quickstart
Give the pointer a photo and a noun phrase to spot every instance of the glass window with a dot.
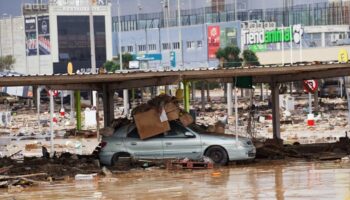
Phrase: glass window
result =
(176, 45)
(152, 47)
(133, 134)
(176, 131)
(130, 49)
(74, 41)
(199, 44)
(166, 46)
(142, 47)
(191, 44)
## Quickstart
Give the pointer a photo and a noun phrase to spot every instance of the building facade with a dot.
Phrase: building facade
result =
(47, 36)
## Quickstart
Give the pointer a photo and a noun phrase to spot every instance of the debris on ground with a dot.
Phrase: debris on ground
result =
(30, 170)
(186, 163)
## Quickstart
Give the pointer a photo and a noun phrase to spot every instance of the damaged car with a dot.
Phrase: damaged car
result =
(178, 142)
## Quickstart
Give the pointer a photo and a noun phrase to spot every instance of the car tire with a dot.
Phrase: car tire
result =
(115, 159)
(6, 102)
(217, 154)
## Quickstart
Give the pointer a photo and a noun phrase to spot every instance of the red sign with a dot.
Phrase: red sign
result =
(310, 85)
(213, 41)
(54, 93)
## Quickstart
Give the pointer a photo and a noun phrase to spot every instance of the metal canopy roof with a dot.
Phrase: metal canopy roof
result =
(135, 79)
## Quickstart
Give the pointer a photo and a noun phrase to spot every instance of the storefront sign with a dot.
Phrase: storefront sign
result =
(44, 35)
(149, 57)
(265, 36)
(31, 40)
(213, 41)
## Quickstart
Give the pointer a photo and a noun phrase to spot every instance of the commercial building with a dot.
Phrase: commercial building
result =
(325, 27)
(47, 36)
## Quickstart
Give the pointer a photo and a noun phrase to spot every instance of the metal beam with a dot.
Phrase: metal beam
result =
(76, 87)
(168, 80)
(260, 74)
(303, 76)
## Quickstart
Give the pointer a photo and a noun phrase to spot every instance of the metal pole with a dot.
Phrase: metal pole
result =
(229, 99)
(310, 103)
(301, 48)
(125, 92)
(1, 20)
(38, 106)
(282, 44)
(236, 112)
(51, 123)
(180, 30)
(291, 46)
(236, 13)
(71, 106)
(92, 50)
(78, 109)
(186, 96)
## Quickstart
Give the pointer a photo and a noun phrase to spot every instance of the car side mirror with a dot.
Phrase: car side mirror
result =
(189, 134)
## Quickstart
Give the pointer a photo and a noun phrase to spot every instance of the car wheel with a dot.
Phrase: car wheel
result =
(115, 159)
(217, 154)
(6, 101)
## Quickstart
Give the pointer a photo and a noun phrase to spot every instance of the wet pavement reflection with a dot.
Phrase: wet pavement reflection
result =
(273, 180)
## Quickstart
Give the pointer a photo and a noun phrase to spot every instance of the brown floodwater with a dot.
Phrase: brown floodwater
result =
(273, 180)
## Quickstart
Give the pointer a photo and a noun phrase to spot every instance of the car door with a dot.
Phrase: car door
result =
(143, 149)
(177, 145)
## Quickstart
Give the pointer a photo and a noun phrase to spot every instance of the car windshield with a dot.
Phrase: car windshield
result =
(123, 130)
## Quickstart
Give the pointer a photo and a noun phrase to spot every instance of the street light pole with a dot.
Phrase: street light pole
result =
(125, 92)
(180, 31)
(92, 51)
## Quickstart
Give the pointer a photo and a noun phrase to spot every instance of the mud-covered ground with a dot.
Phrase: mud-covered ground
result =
(263, 180)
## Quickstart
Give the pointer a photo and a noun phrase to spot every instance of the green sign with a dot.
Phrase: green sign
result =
(257, 47)
(265, 36)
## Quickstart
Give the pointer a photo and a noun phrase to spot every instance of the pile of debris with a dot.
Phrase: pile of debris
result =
(33, 170)
(152, 118)
(274, 149)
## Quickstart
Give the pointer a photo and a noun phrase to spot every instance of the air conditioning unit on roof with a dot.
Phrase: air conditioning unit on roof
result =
(36, 7)
(27, 6)
(44, 7)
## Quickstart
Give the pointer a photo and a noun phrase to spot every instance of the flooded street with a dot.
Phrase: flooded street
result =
(273, 180)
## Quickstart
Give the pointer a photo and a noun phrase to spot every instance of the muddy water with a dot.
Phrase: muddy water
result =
(278, 180)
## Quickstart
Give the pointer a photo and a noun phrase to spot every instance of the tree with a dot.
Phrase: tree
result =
(127, 57)
(6, 62)
(111, 66)
(229, 57)
(250, 58)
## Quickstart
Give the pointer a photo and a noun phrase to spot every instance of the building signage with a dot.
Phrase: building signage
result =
(228, 36)
(264, 36)
(310, 85)
(44, 35)
(172, 59)
(149, 57)
(213, 41)
(31, 40)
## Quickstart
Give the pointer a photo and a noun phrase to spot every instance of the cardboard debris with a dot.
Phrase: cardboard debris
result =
(148, 124)
(153, 118)
(186, 119)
